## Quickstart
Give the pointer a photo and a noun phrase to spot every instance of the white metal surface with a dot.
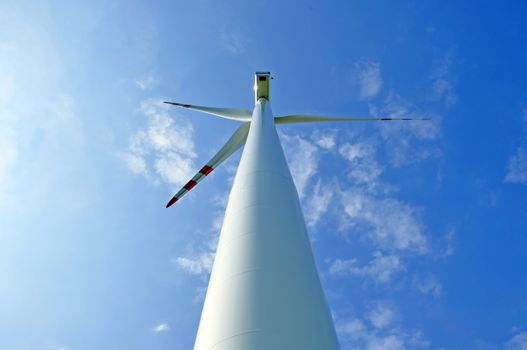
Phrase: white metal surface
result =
(239, 114)
(264, 291)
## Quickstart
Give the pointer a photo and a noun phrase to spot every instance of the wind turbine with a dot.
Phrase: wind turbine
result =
(264, 291)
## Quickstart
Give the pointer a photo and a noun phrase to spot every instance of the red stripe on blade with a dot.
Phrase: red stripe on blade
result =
(172, 201)
(190, 185)
(206, 170)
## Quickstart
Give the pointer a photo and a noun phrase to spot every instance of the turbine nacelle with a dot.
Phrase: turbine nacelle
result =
(262, 81)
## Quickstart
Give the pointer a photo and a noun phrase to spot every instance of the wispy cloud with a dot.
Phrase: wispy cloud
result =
(369, 206)
(517, 342)
(363, 168)
(146, 83)
(302, 156)
(447, 243)
(428, 285)
(411, 141)
(318, 202)
(381, 269)
(136, 163)
(324, 139)
(200, 255)
(196, 265)
(378, 330)
(516, 171)
(398, 107)
(164, 149)
(201, 252)
(388, 223)
(369, 78)
(442, 86)
(381, 315)
(351, 329)
(160, 328)
(60, 348)
(233, 43)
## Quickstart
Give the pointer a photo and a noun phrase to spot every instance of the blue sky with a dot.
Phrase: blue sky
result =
(419, 229)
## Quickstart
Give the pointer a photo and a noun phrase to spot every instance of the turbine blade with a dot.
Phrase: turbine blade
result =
(295, 119)
(235, 142)
(239, 114)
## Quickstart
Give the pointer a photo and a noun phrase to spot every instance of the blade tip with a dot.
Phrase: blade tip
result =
(178, 104)
(170, 202)
(172, 103)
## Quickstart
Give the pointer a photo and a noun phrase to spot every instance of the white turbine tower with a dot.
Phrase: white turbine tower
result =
(264, 291)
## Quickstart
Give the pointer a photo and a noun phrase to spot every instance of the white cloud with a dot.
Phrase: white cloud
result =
(448, 244)
(484, 345)
(160, 328)
(302, 157)
(162, 133)
(135, 163)
(395, 106)
(220, 202)
(201, 251)
(232, 42)
(381, 269)
(353, 329)
(318, 202)
(381, 315)
(388, 342)
(370, 80)
(175, 168)
(407, 142)
(517, 167)
(388, 223)
(324, 140)
(442, 87)
(196, 265)
(429, 285)
(517, 342)
(364, 168)
(146, 83)
(356, 334)
(516, 171)
(164, 149)
(200, 257)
